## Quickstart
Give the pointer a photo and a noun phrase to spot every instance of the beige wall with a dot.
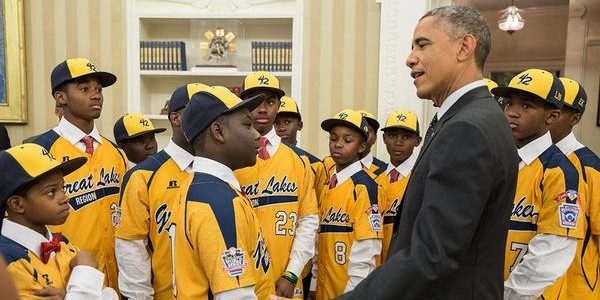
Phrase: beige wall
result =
(341, 56)
(58, 29)
(340, 59)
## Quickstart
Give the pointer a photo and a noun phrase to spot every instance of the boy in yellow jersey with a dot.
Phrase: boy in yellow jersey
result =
(548, 215)
(582, 276)
(351, 226)
(280, 186)
(134, 133)
(220, 252)
(372, 164)
(401, 136)
(93, 190)
(41, 263)
(148, 199)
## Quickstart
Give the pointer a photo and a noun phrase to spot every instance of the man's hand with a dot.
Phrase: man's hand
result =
(50, 293)
(284, 287)
(84, 258)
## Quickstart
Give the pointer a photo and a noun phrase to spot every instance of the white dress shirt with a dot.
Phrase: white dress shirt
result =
(133, 260)
(367, 161)
(85, 282)
(452, 98)
(74, 135)
(569, 144)
(363, 253)
(548, 256)
(273, 142)
(404, 167)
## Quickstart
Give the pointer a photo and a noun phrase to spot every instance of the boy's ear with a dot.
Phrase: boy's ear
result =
(362, 147)
(175, 118)
(60, 97)
(575, 119)
(15, 204)
(552, 116)
(419, 139)
(216, 130)
(300, 125)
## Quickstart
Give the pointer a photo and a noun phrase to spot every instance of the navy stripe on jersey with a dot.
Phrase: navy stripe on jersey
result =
(522, 226)
(296, 150)
(12, 251)
(79, 201)
(211, 190)
(552, 158)
(268, 200)
(123, 159)
(588, 159)
(362, 178)
(152, 163)
(46, 139)
(389, 219)
(311, 158)
(382, 166)
(335, 228)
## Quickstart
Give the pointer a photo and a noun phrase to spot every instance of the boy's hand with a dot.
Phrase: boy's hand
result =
(50, 293)
(284, 288)
(84, 258)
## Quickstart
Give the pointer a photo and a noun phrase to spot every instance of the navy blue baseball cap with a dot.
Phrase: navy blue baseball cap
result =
(182, 95)
(206, 106)
(74, 68)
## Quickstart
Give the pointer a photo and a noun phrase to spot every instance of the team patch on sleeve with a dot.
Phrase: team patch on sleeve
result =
(374, 217)
(569, 213)
(233, 262)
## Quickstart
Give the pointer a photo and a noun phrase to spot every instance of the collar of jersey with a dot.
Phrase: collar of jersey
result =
(535, 148)
(367, 161)
(217, 169)
(181, 157)
(347, 172)
(73, 134)
(569, 144)
(26, 237)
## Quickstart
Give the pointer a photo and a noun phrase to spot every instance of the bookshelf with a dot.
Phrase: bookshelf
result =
(177, 20)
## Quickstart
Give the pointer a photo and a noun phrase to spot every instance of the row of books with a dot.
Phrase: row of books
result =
(272, 56)
(163, 55)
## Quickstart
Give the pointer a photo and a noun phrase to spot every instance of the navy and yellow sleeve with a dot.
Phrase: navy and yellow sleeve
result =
(367, 214)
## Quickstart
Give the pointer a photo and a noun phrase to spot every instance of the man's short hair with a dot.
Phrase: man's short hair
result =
(458, 20)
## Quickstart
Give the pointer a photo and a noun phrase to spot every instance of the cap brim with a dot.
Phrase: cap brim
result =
(69, 166)
(104, 78)
(372, 122)
(155, 130)
(250, 104)
(328, 124)
(400, 127)
(277, 91)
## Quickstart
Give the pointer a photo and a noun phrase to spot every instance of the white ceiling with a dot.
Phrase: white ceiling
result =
(487, 5)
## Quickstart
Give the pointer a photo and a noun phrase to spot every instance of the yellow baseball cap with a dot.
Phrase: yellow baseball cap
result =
(288, 105)
(73, 68)
(261, 80)
(206, 106)
(575, 95)
(371, 120)
(490, 84)
(349, 118)
(402, 118)
(24, 163)
(133, 125)
(538, 83)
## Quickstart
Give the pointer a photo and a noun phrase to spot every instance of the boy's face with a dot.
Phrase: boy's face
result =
(560, 128)
(264, 115)
(240, 139)
(528, 117)
(400, 144)
(139, 148)
(287, 127)
(345, 146)
(45, 202)
(81, 99)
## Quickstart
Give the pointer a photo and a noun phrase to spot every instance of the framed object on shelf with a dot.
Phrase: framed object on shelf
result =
(13, 101)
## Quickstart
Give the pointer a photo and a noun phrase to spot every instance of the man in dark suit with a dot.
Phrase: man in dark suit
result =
(450, 237)
(4, 139)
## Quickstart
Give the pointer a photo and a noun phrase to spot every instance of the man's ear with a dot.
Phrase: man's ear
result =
(15, 204)
(552, 116)
(467, 47)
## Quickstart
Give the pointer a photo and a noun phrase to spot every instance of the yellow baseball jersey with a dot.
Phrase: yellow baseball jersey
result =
(329, 166)
(93, 192)
(550, 199)
(29, 273)
(394, 193)
(316, 165)
(281, 191)
(218, 243)
(377, 167)
(349, 212)
(582, 276)
(148, 199)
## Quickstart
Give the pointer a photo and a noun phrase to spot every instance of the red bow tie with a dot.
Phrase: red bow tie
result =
(49, 247)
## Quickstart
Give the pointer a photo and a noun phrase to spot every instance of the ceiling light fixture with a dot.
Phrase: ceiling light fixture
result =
(511, 19)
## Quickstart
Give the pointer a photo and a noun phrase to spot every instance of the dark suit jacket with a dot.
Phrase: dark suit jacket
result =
(4, 139)
(450, 239)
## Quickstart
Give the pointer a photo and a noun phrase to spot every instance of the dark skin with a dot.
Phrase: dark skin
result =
(569, 117)
(287, 126)
(400, 144)
(45, 203)
(529, 118)
(371, 140)
(263, 117)
(346, 145)
(139, 148)
(179, 138)
(7, 287)
(81, 101)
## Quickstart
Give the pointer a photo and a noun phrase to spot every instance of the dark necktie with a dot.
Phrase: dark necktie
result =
(431, 126)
